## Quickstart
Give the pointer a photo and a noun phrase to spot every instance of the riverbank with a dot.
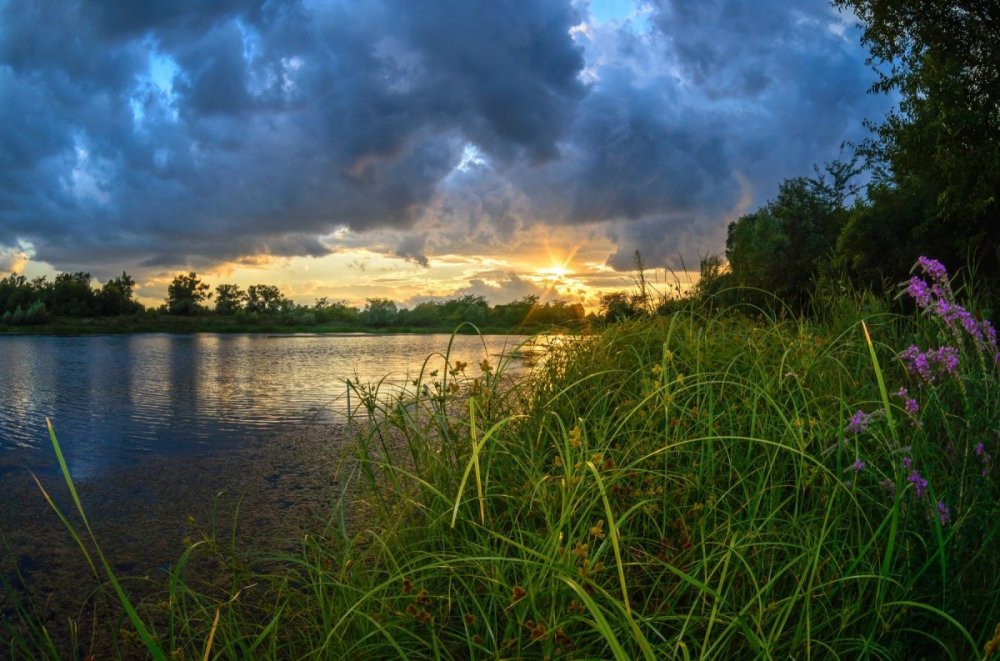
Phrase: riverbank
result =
(263, 496)
(712, 484)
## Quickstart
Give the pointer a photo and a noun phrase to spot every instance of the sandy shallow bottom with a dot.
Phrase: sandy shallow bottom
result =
(269, 492)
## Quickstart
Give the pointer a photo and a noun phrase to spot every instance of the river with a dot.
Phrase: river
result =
(116, 399)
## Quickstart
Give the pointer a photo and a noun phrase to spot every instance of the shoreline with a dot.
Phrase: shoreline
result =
(191, 325)
(265, 496)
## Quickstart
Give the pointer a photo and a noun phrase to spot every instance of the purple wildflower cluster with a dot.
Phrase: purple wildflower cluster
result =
(928, 365)
(918, 481)
(935, 269)
(859, 422)
(920, 485)
(910, 405)
(936, 298)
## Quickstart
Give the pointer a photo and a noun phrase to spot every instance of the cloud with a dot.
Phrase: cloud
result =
(412, 248)
(676, 243)
(12, 260)
(204, 134)
(157, 135)
(499, 287)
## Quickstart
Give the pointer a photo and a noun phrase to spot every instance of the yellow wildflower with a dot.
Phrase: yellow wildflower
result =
(574, 437)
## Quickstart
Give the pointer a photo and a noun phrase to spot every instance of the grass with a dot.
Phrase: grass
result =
(679, 487)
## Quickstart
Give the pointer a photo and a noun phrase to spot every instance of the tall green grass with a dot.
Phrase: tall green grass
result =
(679, 487)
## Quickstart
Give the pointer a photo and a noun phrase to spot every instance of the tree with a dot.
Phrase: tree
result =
(714, 277)
(425, 314)
(36, 314)
(339, 311)
(513, 314)
(937, 159)
(267, 299)
(782, 246)
(229, 299)
(380, 312)
(186, 293)
(14, 290)
(619, 306)
(71, 295)
(115, 297)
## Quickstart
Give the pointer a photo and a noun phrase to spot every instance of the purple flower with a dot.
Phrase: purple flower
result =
(911, 405)
(944, 514)
(859, 422)
(917, 363)
(933, 268)
(947, 358)
(924, 364)
(907, 462)
(980, 449)
(937, 298)
(918, 290)
(971, 326)
(918, 481)
(858, 465)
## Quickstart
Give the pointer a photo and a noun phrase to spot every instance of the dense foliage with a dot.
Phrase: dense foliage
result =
(31, 302)
(937, 160)
(933, 167)
(71, 296)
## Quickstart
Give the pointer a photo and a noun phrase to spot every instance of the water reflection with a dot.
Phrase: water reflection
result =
(112, 398)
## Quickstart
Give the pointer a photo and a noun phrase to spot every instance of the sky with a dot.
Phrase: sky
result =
(410, 149)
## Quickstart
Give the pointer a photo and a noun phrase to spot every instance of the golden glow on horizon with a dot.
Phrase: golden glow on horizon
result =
(559, 262)
(555, 272)
(554, 263)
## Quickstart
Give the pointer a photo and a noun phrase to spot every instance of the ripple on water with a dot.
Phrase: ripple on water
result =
(116, 397)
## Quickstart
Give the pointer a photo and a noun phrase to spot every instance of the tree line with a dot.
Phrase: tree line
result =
(25, 302)
(188, 295)
(31, 302)
(933, 169)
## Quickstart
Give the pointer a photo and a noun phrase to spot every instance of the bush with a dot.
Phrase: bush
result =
(36, 314)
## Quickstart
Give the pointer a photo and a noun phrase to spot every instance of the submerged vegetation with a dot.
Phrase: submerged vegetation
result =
(709, 483)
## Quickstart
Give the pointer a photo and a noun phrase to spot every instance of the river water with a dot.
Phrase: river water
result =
(114, 399)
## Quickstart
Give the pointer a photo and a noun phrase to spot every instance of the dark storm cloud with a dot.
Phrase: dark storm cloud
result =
(637, 152)
(166, 134)
(412, 247)
(148, 133)
(692, 119)
(752, 93)
(675, 242)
